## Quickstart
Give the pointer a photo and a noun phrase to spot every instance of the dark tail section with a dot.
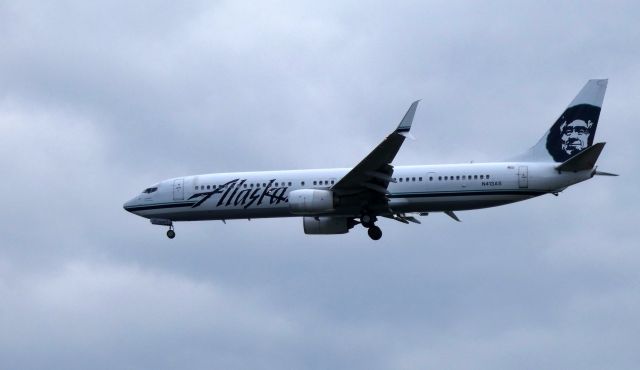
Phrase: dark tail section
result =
(574, 131)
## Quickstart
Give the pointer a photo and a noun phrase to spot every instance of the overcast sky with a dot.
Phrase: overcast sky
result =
(98, 100)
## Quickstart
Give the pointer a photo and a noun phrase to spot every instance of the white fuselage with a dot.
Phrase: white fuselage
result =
(425, 188)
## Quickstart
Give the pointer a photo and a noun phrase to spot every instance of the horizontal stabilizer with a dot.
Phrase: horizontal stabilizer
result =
(585, 160)
(602, 173)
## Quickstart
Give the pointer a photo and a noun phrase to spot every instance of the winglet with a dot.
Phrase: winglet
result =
(405, 124)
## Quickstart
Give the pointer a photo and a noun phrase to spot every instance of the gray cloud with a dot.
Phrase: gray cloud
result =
(98, 101)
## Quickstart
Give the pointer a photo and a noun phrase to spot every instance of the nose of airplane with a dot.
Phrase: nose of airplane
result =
(128, 205)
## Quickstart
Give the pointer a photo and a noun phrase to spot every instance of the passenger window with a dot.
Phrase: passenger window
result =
(208, 187)
(302, 183)
(314, 183)
(457, 177)
(487, 177)
(463, 177)
(289, 183)
(419, 178)
(430, 178)
(326, 182)
(481, 177)
(196, 187)
(439, 178)
(407, 179)
(332, 181)
(413, 179)
(475, 177)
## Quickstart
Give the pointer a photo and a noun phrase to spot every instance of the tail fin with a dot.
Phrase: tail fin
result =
(574, 130)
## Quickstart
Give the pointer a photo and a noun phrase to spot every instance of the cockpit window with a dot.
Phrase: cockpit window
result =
(150, 190)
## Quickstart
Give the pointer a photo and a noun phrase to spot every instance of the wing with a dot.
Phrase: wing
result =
(374, 172)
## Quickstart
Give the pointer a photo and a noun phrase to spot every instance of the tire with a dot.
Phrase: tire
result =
(171, 234)
(374, 233)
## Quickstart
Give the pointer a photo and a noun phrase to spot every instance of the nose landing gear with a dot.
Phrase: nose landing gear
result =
(164, 222)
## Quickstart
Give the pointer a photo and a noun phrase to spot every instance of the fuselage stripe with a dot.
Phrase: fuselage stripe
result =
(393, 195)
(465, 193)
(159, 206)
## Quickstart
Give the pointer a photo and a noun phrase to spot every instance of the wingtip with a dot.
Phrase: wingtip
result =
(407, 120)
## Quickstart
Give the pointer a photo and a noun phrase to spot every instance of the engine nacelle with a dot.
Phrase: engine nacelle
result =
(310, 201)
(325, 225)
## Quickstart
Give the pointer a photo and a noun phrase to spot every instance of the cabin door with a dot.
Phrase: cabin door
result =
(178, 189)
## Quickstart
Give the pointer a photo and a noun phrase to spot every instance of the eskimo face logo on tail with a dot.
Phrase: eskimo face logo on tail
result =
(573, 131)
(575, 136)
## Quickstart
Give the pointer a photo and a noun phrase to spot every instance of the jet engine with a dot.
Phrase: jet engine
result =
(311, 201)
(325, 225)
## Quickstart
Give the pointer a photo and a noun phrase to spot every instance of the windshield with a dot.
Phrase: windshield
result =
(150, 190)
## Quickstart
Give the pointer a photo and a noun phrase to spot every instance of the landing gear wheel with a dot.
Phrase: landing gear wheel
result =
(374, 233)
(171, 234)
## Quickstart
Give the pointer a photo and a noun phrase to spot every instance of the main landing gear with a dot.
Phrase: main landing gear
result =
(374, 232)
(368, 222)
(170, 233)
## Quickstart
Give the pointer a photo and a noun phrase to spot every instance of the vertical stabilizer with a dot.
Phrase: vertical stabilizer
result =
(574, 130)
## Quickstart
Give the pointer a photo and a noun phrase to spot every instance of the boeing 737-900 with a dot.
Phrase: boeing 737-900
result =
(333, 201)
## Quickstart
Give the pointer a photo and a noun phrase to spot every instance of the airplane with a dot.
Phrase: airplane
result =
(333, 201)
